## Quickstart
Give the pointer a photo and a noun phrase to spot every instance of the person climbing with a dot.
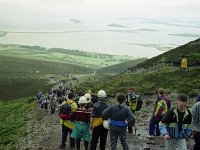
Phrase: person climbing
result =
(162, 105)
(195, 111)
(97, 122)
(67, 125)
(46, 103)
(134, 103)
(82, 123)
(174, 125)
(120, 117)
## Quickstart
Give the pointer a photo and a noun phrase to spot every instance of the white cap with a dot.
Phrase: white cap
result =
(82, 100)
(88, 97)
(101, 93)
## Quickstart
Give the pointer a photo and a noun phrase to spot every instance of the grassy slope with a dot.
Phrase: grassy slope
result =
(160, 71)
(18, 77)
(76, 57)
(121, 67)
(16, 66)
(190, 50)
(14, 115)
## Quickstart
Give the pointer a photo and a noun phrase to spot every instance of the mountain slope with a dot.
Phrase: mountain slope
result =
(121, 67)
(20, 77)
(161, 71)
(173, 57)
(15, 65)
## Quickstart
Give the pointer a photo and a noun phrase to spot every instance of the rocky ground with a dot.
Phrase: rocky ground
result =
(46, 134)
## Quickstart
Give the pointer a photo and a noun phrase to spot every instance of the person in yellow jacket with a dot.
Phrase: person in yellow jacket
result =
(67, 125)
(184, 63)
(98, 129)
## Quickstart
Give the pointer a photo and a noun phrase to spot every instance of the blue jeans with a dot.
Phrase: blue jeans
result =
(65, 131)
(114, 134)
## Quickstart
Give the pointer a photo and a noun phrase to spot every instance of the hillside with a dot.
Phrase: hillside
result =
(173, 57)
(60, 55)
(24, 68)
(28, 67)
(161, 71)
(20, 77)
(121, 67)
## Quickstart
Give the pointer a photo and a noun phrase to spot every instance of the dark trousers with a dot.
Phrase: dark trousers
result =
(197, 141)
(130, 128)
(65, 131)
(154, 127)
(97, 132)
(121, 134)
(86, 143)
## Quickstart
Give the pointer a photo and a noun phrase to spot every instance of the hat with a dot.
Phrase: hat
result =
(88, 97)
(82, 100)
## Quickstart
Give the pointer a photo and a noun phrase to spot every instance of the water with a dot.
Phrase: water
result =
(128, 36)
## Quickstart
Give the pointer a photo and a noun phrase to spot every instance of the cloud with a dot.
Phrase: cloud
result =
(66, 9)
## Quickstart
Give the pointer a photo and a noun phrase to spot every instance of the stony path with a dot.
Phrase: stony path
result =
(46, 135)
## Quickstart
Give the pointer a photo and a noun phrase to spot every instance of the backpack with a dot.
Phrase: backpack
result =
(139, 104)
(65, 111)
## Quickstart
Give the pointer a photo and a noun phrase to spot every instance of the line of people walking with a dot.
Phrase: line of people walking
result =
(81, 117)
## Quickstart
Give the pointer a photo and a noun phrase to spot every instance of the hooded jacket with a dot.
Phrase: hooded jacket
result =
(169, 124)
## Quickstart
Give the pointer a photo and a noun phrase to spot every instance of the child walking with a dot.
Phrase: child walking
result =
(120, 116)
(82, 124)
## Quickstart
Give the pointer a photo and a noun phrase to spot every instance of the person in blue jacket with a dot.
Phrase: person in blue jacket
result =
(175, 125)
(120, 116)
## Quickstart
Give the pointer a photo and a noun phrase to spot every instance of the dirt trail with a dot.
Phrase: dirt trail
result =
(46, 134)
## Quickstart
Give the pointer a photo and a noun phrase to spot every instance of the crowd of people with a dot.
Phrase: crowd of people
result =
(81, 114)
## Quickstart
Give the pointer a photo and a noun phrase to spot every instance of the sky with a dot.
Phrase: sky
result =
(30, 11)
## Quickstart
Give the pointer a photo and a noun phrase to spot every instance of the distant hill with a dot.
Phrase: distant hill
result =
(121, 67)
(161, 71)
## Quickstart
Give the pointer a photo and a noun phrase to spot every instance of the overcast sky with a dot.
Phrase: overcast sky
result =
(56, 10)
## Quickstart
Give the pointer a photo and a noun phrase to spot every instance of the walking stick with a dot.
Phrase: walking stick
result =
(191, 134)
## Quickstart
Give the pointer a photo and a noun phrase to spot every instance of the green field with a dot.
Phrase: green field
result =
(59, 55)
(2, 33)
